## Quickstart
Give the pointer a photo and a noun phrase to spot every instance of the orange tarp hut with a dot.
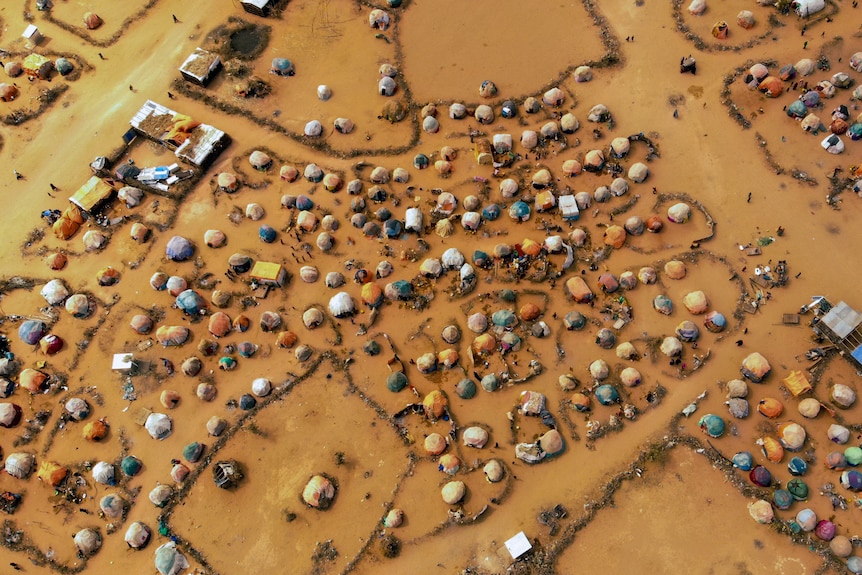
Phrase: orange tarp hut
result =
(52, 473)
(771, 86)
(579, 290)
(435, 404)
(8, 92)
(531, 247)
(797, 383)
(65, 229)
(68, 223)
(544, 201)
(720, 30)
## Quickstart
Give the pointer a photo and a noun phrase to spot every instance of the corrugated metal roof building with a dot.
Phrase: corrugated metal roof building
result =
(200, 66)
(269, 273)
(200, 143)
(841, 325)
(93, 194)
(259, 7)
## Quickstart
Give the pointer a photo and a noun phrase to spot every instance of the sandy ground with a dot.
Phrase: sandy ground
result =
(651, 493)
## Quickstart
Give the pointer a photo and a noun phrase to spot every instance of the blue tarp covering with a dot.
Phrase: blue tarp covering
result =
(519, 211)
(31, 331)
(491, 212)
(267, 233)
(797, 109)
(304, 203)
(421, 161)
(190, 302)
(179, 249)
(392, 228)
(607, 394)
(402, 288)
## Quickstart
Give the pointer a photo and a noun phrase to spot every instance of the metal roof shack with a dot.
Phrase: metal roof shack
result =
(259, 7)
(93, 194)
(200, 66)
(569, 207)
(518, 545)
(269, 273)
(840, 324)
(32, 36)
(191, 141)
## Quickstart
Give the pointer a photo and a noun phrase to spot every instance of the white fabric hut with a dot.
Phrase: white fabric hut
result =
(313, 128)
(638, 172)
(471, 220)
(160, 494)
(697, 7)
(805, 67)
(484, 114)
(583, 74)
(599, 370)
(554, 97)
(94, 240)
(137, 535)
(569, 124)
(671, 346)
(254, 211)
(386, 86)
(431, 267)
(312, 318)
(343, 125)
(378, 19)
(88, 541)
(431, 125)
(502, 143)
(805, 8)
(334, 280)
(261, 386)
(54, 292)
(452, 259)
(130, 196)
(309, 274)
(20, 465)
(169, 561)
(832, 144)
(509, 188)
(158, 425)
(112, 505)
(103, 472)
(259, 160)
(598, 113)
(341, 305)
(413, 220)
(380, 175)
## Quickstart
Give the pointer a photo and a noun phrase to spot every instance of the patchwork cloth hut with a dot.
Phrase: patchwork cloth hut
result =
(282, 67)
(38, 66)
(8, 92)
(720, 30)
(92, 20)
